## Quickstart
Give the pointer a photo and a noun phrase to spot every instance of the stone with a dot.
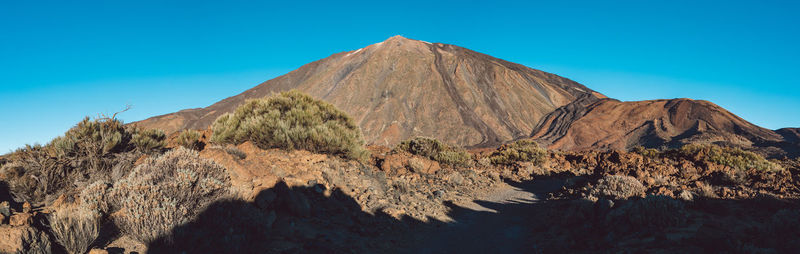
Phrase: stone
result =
(20, 219)
(456, 178)
(23, 239)
(98, 251)
(5, 208)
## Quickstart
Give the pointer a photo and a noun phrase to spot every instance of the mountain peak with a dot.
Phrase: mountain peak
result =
(401, 88)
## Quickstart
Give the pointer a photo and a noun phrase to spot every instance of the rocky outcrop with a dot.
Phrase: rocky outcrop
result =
(401, 88)
(589, 123)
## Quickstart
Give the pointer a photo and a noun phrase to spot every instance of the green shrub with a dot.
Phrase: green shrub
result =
(519, 151)
(727, 156)
(190, 139)
(165, 192)
(646, 152)
(148, 140)
(90, 141)
(75, 227)
(435, 150)
(617, 187)
(291, 120)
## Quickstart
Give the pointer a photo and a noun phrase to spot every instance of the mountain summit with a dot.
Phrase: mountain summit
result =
(400, 88)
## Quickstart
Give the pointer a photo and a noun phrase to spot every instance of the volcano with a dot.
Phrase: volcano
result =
(401, 88)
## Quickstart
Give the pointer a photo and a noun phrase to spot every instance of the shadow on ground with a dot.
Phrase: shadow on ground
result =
(305, 220)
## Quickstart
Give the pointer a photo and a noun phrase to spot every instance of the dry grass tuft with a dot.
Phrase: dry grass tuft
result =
(75, 227)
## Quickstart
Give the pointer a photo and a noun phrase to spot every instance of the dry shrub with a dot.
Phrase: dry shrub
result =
(618, 187)
(728, 156)
(651, 212)
(75, 227)
(705, 190)
(519, 151)
(33, 174)
(435, 150)
(93, 196)
(35, 242)
(165, 192)
(190, 139)
(85, 153)
(291, 120)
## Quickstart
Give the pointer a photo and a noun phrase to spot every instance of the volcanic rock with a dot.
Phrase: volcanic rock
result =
(401, 88)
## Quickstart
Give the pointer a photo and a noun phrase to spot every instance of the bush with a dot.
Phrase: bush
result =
(651, 212)
(75, 227)
(93, 196)
(646, 152)
(85, 153)
(519, 151)
(35, 242)
(165, 192)
(728, 156)
(190, 139)
(32, 174)
(291, 120)
(618, 187)
(91, 141)
(148, 140)
(435, 150)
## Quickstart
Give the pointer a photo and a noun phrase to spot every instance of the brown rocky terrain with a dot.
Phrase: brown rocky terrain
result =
(589, 124)
(298, 201)
(401, 88)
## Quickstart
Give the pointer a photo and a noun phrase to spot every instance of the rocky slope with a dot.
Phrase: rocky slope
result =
(590, 123)
(402, 88)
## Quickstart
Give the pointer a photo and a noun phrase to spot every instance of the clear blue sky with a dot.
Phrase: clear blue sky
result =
(62, 60)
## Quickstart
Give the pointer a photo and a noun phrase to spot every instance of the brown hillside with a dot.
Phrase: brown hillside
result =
(590, 123)
(402, 88)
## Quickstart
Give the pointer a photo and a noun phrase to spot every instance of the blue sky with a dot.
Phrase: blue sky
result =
(62, 60)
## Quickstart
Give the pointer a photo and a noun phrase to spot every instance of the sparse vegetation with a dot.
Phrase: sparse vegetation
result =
(618, 187)
(646, 152)
(190, 139)
(435, 150)
(75, 227)
(519, 151)
(651, 212)
(291, 120)
(148, 140)
(166, 191)
(728, 156)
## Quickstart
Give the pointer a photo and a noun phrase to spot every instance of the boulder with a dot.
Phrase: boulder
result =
(23, 239)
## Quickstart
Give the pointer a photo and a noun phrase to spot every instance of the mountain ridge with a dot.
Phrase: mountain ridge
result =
(400, 88)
